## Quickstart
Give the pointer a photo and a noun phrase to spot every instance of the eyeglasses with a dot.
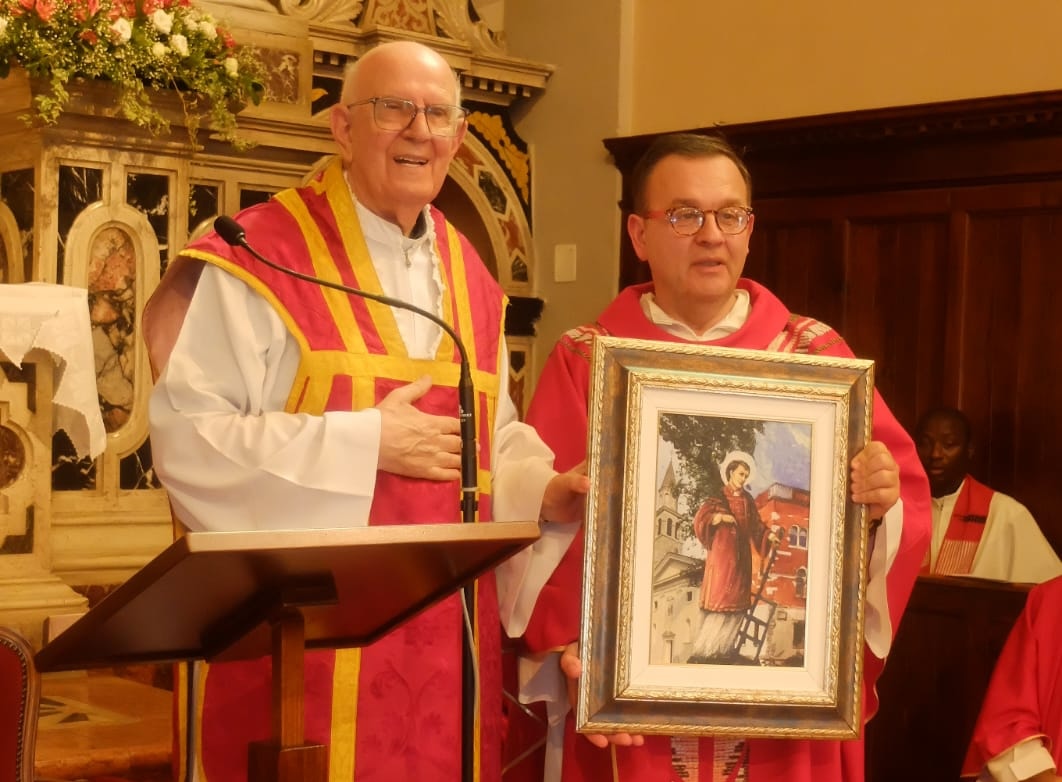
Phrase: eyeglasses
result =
(688, 220)
(399, 114)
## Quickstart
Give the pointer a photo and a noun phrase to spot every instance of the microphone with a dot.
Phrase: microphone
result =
(234, 235)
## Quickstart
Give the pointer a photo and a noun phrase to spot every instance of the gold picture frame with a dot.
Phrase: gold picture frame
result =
(665, 645)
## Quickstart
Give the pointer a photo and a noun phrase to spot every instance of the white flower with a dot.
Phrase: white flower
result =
(179, 44)
(159, 50)
(3, 25)
(232, 67)
(122, 29)
(208, 29)
(163, 21)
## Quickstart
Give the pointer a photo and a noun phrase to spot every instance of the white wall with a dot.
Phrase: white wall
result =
(575, 188)
(700, 63)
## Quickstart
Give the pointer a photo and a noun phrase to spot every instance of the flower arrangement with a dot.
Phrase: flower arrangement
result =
(142, 46)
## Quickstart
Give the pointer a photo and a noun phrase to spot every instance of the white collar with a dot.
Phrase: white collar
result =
(378, 229)
(731, 322)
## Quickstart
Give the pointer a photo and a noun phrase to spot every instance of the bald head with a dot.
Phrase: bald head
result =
(360, 74)
(395, 154)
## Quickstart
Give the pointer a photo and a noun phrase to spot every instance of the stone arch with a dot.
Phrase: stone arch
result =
(108, 246)
(11, 261)
(498, 208)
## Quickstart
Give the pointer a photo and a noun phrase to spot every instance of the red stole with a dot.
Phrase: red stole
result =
(965, 528)
(392, 710)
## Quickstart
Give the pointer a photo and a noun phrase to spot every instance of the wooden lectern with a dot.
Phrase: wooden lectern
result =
(219, 596)
(938, 670)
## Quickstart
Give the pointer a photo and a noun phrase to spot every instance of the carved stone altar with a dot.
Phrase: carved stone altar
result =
(47, 383)
(96, 203)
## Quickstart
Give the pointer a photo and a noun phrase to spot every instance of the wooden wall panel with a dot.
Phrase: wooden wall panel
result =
(877, 269)
(929, 236)
(893, 312)
(799, 262)
(1011, 286)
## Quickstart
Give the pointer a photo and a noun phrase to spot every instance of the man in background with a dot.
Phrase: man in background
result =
(282, 404)
(691, 223)
(976, 531)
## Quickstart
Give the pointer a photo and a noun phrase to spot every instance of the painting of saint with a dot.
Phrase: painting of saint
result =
(731, 541)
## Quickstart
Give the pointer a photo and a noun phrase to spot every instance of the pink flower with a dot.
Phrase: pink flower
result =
(126, 8)
(86, 11)
(44, 8)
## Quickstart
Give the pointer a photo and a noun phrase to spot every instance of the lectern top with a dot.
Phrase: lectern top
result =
(210, 595)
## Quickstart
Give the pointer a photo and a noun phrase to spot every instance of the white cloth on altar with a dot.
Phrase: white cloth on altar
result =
(55, 318)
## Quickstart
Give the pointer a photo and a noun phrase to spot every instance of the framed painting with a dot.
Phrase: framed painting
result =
(724, 571)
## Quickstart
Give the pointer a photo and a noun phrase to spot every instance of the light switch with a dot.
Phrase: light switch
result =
(564, 263)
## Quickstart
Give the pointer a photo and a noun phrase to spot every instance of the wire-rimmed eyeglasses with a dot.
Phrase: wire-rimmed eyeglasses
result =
(399, 114)
(688, 220)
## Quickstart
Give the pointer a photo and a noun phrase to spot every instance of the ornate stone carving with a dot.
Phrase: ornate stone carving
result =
(12, 456)
(410, 15)
(323, 11)
(478, 173)
(513, 159)
(29, 589)
(11, 269)
(453, 20)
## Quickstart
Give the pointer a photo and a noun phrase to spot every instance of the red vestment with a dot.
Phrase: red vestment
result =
(390, 711)
(559, 412)
(1024, 696)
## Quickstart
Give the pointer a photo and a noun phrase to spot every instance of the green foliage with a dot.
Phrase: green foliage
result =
(701, 442)
(141, 46)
